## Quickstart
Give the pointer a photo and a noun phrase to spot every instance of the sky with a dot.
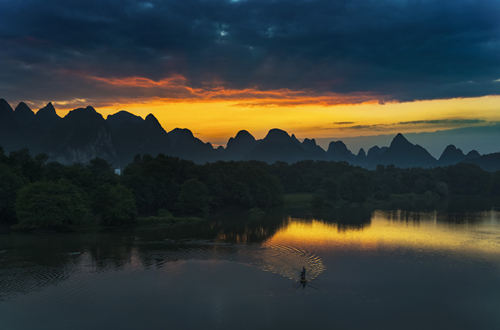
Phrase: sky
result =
(316, 68)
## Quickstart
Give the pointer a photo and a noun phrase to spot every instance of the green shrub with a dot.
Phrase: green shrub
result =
(48, 204)
(115, 205)
(10, 183)
(194, 198)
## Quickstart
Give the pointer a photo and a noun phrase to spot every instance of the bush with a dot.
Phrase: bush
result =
(48, 204)
(193, 198)
(115, 205)
(10, 183)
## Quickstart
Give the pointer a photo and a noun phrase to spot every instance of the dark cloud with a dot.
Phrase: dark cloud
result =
(343, 122)
(481, 138)
(454, 122)
(374, 127)
(392, 49)
(444, 121)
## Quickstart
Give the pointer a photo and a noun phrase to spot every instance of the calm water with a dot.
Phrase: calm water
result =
(393, 271)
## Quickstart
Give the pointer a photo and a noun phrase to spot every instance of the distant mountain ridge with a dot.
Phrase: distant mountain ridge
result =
(84, 134)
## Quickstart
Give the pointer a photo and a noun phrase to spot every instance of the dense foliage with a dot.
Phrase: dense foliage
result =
(114, 204)
(37, 193)
(183, 188)
(457, 187)
(46, 204)
(10, 183)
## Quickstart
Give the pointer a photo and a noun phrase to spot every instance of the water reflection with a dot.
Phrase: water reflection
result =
(277, 246)
(476, 233)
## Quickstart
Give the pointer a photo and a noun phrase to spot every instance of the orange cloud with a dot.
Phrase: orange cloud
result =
(177, 87)
(140, 81)
(215, 112)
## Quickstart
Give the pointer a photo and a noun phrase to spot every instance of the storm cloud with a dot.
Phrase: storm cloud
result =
(387, 50)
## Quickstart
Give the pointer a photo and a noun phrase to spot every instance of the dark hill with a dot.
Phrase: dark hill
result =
(8, 127)
(489, 162)
(337, 151)
(23, 114)
(26, 125)
(183, 144)
(277, 146)
(83, 134)
(451, 155)
(47, 117)
(132, 135)
(312, 150)
(402, 153)
(239, 146)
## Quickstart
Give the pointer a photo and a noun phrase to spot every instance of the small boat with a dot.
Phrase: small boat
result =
(303, 279)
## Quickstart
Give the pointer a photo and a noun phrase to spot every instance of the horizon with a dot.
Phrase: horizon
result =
(219, 133)
(365, 142)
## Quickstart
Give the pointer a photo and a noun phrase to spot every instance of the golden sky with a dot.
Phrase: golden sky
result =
(215, 119)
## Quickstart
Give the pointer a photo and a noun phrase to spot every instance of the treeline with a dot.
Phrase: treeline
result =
(35, 193)
(454, 188)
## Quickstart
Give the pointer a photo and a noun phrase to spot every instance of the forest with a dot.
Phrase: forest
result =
(38, 194)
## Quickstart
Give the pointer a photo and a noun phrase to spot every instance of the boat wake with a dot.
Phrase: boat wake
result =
(287, 261)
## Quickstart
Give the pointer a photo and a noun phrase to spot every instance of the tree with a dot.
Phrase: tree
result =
(27, 166)
(442, 189)
(3, 157)
(193, 198)
(329, 188)
(48, 204)
(156, 182)
(114, 205)
(10, 183)
(101, 171)
(354, 186)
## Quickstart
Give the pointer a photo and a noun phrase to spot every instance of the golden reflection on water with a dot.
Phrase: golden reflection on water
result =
(425, 233)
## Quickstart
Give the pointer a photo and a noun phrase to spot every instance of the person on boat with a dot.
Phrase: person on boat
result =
(303, 274)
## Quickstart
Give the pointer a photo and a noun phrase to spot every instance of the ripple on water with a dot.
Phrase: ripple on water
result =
(27, 278)
(287, 261)
(284, 260)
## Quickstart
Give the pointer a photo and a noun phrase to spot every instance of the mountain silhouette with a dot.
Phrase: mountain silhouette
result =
(337, 151)
(312, 150)
(278, 145)
(47, 117)
(489, 162)
(183, 144)
(23, 114)
(239, 146)
(402, 153)
(84, 134)
(8, 127)
(361, 155)
(473, 154)
(148, 136)
(81, 135)
(451, 155)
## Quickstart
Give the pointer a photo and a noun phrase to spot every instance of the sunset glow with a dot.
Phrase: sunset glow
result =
(215, 120)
